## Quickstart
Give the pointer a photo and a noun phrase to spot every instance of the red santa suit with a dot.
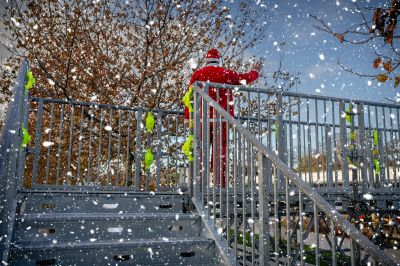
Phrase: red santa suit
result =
(216, 74)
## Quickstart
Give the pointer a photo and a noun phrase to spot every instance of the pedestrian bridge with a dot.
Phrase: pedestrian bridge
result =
(310, 180)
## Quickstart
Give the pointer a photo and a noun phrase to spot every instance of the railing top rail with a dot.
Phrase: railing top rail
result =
(322, 204)
(296, 94)
(111, 106)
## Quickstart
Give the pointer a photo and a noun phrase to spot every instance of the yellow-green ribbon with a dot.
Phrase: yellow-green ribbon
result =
(149, 122)
(187, 148)
(187, 99)
(26, 138)
(375, 137)
(148, 159)
(377, 166)
(30, 80)
(348, 113)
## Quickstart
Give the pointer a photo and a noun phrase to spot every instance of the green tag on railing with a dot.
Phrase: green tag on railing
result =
(188, 98)
(26, 138)
(377, 166)
(30, 80)
(148, 159)
(375, 137)
(348, 113)
(149, 122)
(187, 148)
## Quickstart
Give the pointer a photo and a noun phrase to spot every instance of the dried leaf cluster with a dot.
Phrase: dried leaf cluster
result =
(132, 53)
(381, 25)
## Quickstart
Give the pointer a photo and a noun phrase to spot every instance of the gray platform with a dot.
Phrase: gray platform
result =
(109, 228)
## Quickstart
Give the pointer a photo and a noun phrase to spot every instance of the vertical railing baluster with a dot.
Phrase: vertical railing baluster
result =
(139, 151)
(328, 137)
(176, 181)
(299, 160)
(335, 150)
(110, 129)
(128, 166)
(168, 148)
(69, 173)
(259, 116)
(221, 146)
(206, 149)
(252, 203)
(385, 148)
(317, 142)
(316, 235)
(99, 148)
(393, 148)
(301, 226)
(235, 184)
(60, 129)
(227, 169)
(196, 179)
(309, 145)
(343, 146)
(362, 147)
(290, 134)
(50, 143)
(334, 241)
(287, 199)
(159, 156)
(306, 172)
(78, 175)
(118, 148)
(398, 142)
(369, 153)
(281, 138)
(214, 154)
(243, 174)
(276, 215)
(263, 199)
(90, 147)
(37, 142)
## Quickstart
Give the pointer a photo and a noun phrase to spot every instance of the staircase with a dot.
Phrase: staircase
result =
(109, 228)
(73, 208)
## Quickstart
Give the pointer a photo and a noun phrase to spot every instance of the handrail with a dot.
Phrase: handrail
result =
(322, 204)
(98, 105)
(295, 94)
(12, 157)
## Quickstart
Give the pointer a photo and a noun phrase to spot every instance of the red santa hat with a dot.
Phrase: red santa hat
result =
(213, 56)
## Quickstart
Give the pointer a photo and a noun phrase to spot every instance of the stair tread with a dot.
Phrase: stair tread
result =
(102, 192)
(28, 245)
(36, 217)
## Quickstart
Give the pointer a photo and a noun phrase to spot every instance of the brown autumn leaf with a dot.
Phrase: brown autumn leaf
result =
(339, 36)
(377, 62)
(388, 66)
(382, 77)
(396, 81)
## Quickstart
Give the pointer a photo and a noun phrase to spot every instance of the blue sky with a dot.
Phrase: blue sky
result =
(306, 47)
(315, 53)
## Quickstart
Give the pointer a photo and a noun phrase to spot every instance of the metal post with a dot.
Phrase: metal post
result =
(263, 199)
(362, 147)
(138, 154)
(281, 139)
(343, 146)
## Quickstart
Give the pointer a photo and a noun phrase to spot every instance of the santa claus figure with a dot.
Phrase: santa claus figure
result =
(213, 72)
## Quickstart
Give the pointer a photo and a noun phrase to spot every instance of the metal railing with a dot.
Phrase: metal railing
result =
(317, 135)
(98, 146)
(256, 219)
(12, 156)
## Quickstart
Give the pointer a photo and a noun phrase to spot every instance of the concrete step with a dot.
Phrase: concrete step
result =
(101, 202)
(48, 227)
(191, 251)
